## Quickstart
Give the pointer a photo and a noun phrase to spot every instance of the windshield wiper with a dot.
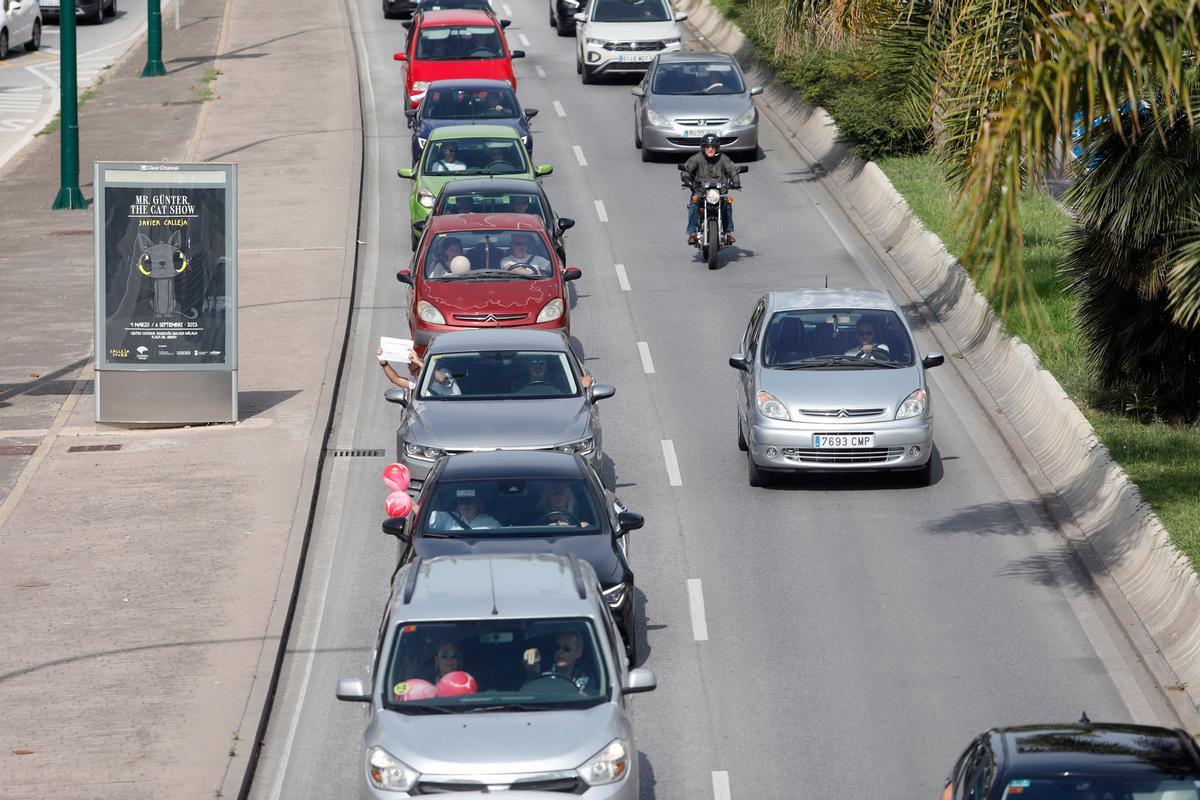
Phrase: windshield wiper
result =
(404, 708)
(509, 707)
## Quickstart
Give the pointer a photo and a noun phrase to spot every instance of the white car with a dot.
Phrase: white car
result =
(20, 23)
(621, 36)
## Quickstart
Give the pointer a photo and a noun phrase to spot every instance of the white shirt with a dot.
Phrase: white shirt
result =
(443, 521)
(447, 166)
(854, 351)
(539, 263)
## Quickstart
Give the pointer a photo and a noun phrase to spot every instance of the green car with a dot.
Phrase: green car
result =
(465, 151)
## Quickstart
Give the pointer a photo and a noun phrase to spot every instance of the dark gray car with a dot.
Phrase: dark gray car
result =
(504, 389)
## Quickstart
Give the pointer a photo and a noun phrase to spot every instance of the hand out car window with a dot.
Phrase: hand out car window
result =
(501, 375)
(844, 338)
(690, 78)
(503, 507)
(631, 11)
(459, 43)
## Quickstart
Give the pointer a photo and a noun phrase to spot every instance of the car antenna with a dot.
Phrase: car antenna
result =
(492, 575)
(1083, 718)
(826, 281)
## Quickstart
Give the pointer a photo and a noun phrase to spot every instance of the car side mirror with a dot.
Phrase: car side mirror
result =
(405, 172)
(399, 56)
(579, 18)
(739, 362)
(637, 91)
(398, 527)
(517, 54)
(406, 24)
(743, 169)
(629, 521)
(396, 395)
(543, 169)
(602, 391)
(504, 23)
(933, 360)
(410, 112)
(755, 91)
(680, 16)
(353, 690)
(405, 276)
(638, 680)
(572, 274)
(420, 224)
(565, 223)
(530, 113)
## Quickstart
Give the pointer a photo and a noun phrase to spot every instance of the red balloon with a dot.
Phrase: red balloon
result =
(454, 684)
(414, 689)
(398, 504)
(397, 477)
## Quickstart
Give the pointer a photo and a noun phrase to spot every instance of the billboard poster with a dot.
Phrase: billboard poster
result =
(166, 251)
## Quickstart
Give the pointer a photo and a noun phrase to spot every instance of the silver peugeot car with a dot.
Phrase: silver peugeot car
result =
(831, 379)
(498, 673)
(686, 95)
(503, 389)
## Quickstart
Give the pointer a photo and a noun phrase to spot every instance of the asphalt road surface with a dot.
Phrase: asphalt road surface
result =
(831, 637)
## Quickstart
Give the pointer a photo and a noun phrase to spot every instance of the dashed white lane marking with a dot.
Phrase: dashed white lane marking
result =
(647, 362)
(541, 73)
(622, 278)
(524, 39)
(700, 634)
(507, 10)
(579, 155)
(558, 109)
(672, 463)
(600, 212)
(721, 786)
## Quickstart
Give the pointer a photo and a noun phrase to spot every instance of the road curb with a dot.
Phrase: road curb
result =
(1118, 541)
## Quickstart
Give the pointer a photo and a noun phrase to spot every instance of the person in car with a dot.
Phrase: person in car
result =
(568, 650)
(451, 249)
(710, 164)
(868, 347)
(498, 155)
(467, 515)
(557, 506)
(447, 658)
(415, 364)
(447, 160)
(522, 259)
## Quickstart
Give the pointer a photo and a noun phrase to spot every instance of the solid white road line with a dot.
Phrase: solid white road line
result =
(600, 212)
(579, 155)
(647, 362)
(700, 633)
(721, 786)
(558, 109)
(672, 463)
(622, 278)
(524, 39)
(541, 73)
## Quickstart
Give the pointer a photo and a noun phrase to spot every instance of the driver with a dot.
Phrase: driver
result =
(498, 155)
(865, 331)
(467, 514)
(557, 506)
(522, 259)
(710, 164)
(568, 649)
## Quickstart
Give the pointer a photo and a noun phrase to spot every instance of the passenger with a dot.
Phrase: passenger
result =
(447, 160)
(451, 249)
(557, 506)
(415, 364)
(466, 516)
(522, 259)
(446, 658)
(519, 204)
(568, 650)
(866, 331)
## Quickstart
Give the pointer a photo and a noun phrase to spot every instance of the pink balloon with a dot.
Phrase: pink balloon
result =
(454, 684)
(397, 477)
(414, 689)
(398, 504)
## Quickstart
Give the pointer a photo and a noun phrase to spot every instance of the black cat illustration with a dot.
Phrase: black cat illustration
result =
(161, 262)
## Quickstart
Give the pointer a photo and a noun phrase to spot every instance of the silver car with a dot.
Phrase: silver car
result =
(831, 380)
(497, 673)
(686, 95)
(504, 389)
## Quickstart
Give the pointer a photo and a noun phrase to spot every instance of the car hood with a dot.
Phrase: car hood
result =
(497, 743)
(487, 68)
(632, 31)
(497, 424)
(873, 387)
(729, 106)
(490, 297)
(594, 548)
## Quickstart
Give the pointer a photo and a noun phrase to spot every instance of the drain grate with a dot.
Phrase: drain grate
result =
(93, 448)
(18, 449)
(74, 232)
(344, 453)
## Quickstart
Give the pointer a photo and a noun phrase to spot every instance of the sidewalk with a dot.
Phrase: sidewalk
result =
(144, 588)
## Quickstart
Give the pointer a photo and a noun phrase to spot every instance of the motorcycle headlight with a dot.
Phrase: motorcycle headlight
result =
(712, 197)
(582, 447)
(608, 766)
(657, 119)
(390, 773)
(744, 119)
(551, 311)
(419, 451)
(427, 312)
(770, 407)
(425, 198)
(914, 405)
(615, 597)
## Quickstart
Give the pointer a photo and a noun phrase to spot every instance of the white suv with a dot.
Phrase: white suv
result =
(624, 36)
(20, 23)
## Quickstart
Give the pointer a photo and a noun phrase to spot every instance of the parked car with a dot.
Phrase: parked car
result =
(460, 43)
(686, 95)
(831, 379)
(503, 195)
(93, 11)
(1084, 761)
(537, 698)
(623, 36)
(517, 501)
(468, 101)
(473, 271)
(20, 23)
(562, 15)
(456, 152)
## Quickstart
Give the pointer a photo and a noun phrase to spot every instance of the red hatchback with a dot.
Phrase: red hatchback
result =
(486, 271)
(456, 43)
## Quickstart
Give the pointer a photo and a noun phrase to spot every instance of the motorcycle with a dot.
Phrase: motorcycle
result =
(714, 195)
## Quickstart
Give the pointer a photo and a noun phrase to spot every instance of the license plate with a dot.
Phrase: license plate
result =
(49, 4)
(694, 133)
(635, 58)
(843, 441)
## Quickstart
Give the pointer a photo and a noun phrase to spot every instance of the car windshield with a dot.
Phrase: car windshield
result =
(631, 11)
(843, 338)
(495, 203)
(470, 104)
(510, 507)
(459, 43)
(487, 255)
(439, 5)
(1101, 787)
(715, 77)
(475, 156)
(491, 665)
(499, 375)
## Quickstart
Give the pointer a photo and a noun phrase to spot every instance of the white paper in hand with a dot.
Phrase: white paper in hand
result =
(396, 350)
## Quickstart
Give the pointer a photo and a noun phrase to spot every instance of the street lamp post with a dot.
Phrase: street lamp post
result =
(69, 193)
(154, 64)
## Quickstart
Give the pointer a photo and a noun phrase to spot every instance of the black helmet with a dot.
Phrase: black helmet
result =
(710, 140)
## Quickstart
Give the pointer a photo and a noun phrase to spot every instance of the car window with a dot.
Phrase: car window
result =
(470, 104)
(842, 338)
(514, 665)
(439, 5)
(1100, 787)
(750, 341)
(508, 507)
(496, 203)
(495, 254)
(475, 156)
(499, 375)
(697, 78)
(631, 11)
(459, 43)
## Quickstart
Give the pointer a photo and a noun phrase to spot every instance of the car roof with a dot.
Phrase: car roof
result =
(468, 84)
(695, 56)
(474, 132)
(800, 299)
(1095, 748)
(457, 16)
(471, 185)
(448, 223)
(535, 585)
(545, 464)
(497, 339)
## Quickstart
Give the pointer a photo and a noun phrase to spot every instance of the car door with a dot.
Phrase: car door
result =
(20, 21)
(749, 350)
(976, 772)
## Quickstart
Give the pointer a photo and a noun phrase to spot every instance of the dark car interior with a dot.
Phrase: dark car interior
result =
(501, 374)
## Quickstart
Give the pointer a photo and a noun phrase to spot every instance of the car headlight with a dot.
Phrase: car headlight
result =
(770, 407)
(914, 405)
(744, 119)
(427, 312)
(595, 42)
(419, 451)
(421, 142)
(390, 773)
(615, 597)
(671, 40)
(419, 86)
(582, 447)
(551, 311)
(608, 766)
(425, 198)
(712, 197)
(657, 119)
(525, 141)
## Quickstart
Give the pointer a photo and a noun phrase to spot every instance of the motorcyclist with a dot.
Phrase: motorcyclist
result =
(710, 164)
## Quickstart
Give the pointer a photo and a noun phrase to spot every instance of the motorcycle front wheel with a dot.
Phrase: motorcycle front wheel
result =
(714, 243)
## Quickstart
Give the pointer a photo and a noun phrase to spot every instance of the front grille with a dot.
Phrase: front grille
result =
(696, 122)
(842, 413)
(877, 455)
(694, 141)
(446, 787)
(489, 317)
(554, 782)
(634, 47)
(563, 785)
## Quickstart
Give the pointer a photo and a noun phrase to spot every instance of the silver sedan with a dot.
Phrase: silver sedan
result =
(686, 95)
(830, 379)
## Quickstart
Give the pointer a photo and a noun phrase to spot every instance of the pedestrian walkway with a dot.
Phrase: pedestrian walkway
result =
(144, 574)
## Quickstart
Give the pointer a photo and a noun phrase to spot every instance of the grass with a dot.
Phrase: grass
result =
(204, 92)
(56, 123)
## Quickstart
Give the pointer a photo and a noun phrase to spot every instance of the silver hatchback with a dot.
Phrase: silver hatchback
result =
(831, 380)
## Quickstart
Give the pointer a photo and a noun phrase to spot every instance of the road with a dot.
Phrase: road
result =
(857, 631)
